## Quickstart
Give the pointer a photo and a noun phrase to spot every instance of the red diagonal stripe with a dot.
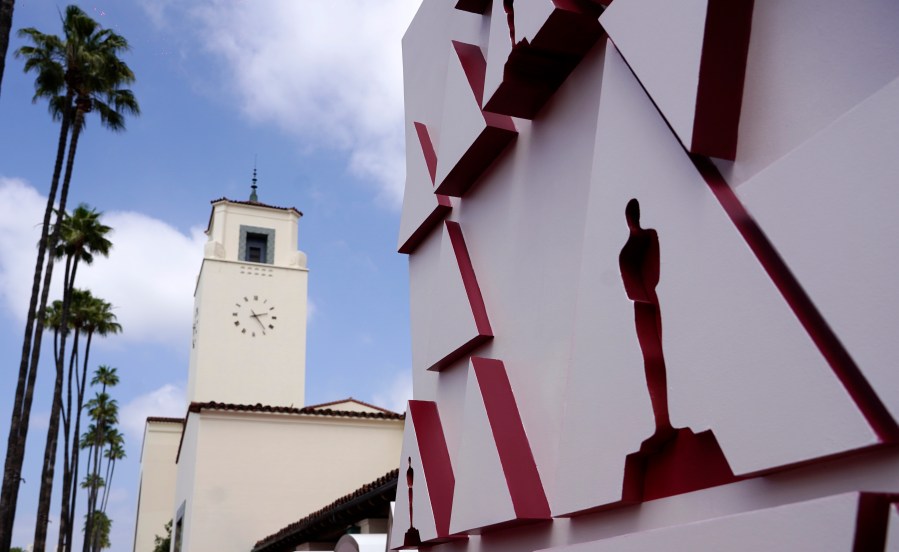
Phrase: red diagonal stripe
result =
(842, 364)
(519, 467)
(435, 461)
(469, 280)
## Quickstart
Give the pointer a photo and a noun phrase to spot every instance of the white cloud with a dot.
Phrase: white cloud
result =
(167, 401)
(395, 394)
(329, 73)
(152, 299)
(21, 216)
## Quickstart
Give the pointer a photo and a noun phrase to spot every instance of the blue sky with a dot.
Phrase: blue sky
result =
(313, 91)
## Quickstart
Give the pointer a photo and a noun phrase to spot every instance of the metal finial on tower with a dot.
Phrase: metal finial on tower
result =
(253, 196)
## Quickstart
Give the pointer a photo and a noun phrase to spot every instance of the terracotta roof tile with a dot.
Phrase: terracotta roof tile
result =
(197, 407)
(335, 517)
(308, 410)
(160, 419)
(351, 399)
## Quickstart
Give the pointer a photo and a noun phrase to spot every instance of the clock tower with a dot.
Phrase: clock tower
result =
(249, 328)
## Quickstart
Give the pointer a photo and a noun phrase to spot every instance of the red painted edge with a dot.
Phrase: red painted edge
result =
(474, 65)
(427, 149)
(435, 461)
(516, 457)
(473, 6)
(443, 207)
(842, 364)
(483, 151)
(438, 213)
(722, 72)
(459, 352)
(469, 280)
(871, 522)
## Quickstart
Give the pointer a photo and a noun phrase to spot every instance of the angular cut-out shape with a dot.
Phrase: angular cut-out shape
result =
(690, 58)
(666, 461)
(499, 484)
(422, 208)
(424, 496)
(473, 6)
(470, 139)
(845, 176)
(532, 53)
(742, 371)
(824, 525)
(459, 321)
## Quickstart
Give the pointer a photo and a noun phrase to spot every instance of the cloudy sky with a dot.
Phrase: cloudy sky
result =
(313, 92)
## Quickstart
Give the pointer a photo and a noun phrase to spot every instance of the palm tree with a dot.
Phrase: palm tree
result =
(93, 316)
(104, 412)
(77, 75)
(102, 526)
(6, 9)
(82, 237)
(78, 313)
(114, 452)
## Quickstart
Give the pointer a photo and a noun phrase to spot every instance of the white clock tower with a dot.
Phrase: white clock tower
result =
(249, 331)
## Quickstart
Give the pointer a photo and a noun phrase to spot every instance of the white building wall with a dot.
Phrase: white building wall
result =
(157, 482)
(255, 473)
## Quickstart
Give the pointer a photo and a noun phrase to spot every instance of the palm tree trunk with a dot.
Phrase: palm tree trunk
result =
(6, 9)
(67, 462)
(76, 449)
(18, 427)
(93, 491)
(43, 507)
(49, 469)
(110, 463)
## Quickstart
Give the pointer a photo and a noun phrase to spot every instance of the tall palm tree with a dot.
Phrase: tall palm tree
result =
(79, 74)
(114, 452)
(83, 236)
(78, 312)
(6, 9)
(104, 412)
(100, 320)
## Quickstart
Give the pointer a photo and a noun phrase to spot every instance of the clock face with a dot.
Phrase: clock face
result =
(254, 316)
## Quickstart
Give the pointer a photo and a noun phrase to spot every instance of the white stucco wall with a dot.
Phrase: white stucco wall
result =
(157, 482)
(773, 305)
(254, 473)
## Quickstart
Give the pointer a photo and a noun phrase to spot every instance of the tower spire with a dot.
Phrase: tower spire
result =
(253, 196)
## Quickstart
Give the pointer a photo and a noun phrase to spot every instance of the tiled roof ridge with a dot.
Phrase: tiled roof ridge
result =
(256, 204)
(378, 485)
(351, 399)
(258, 407)
(165, 420)
(196, 407)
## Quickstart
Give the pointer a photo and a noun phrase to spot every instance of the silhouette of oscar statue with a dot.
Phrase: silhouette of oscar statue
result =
(672, 460)
(411, 538)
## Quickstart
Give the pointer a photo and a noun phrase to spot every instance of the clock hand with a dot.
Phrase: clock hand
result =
(261, 325)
